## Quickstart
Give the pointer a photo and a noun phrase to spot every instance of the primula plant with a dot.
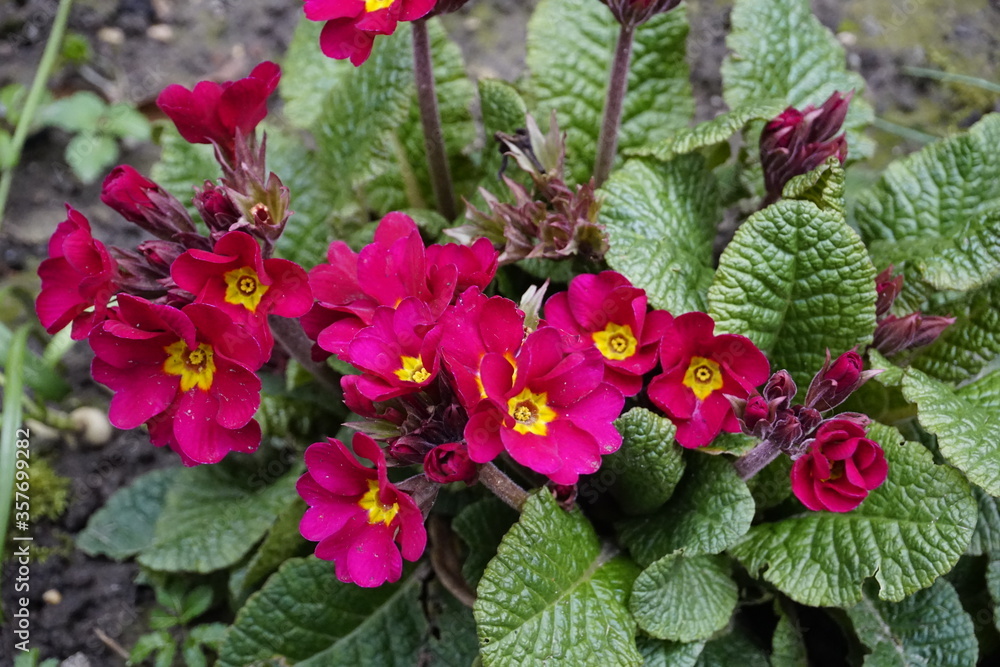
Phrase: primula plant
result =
(499, 388)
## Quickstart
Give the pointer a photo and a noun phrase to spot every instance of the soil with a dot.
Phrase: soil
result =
(140, 46)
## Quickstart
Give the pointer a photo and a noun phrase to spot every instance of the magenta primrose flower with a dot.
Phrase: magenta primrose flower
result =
(188, 373)
(78, 278)
(548, 407)
(351, 25)
(839, 469)
(357, 515)
(606, 312)
(237, 280)
(699, 370)
(212, 112)
(399, 351)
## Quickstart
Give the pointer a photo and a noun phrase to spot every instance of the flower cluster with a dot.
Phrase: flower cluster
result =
(894, 334)
(178, 324)
(834, 465)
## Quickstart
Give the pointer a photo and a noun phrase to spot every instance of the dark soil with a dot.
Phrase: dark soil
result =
(140, 46)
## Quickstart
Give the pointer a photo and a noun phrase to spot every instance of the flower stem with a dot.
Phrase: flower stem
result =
(49, 57)
(756, 459)
(430, 118)
(607, 144)
(446, 562)
(289, 334)
(502, 486)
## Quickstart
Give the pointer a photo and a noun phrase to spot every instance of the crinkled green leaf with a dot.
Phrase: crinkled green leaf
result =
(308, 76)
(797, 281)
(732, 649)
(482, 526)
(303, 610)
(984, 392)
(807, 68)
(936, 213)
(770, 487)
(710, 510)
(570, 49)
(715, 131)
(993, 586)
(659, 653)
(928, 628)
(283, 541)
(553, 594)
(971, 343)
(986, 539)
(91, 155)
(823, 186)
(660, 219)
(908, 532)
(504, 111)
(967, 435)
(648, 465)
(788, 648)
(213, 515)
(684, 599)
(124, 526)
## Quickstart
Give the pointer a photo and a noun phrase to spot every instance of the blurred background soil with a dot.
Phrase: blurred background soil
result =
(137, 47)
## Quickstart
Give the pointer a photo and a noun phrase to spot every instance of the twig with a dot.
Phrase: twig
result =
(111, 644)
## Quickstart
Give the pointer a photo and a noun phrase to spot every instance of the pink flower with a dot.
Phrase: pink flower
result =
(78, 278)
(188, 373)
(699, 370)
(237, 280)
(840, 468)
(450, 462)
(606, 312)
(549, 408)
(398, 351)
(393, 267)
(213, 112)
(357, 515)
(474, 326)
(351, 25)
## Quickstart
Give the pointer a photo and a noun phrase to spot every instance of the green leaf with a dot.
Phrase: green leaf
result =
(39, 373)
(182, 166)
(78, 113)
(659, 653)
(788, 648)
(908, 532)
(90, 155)
(482, 526)
(797, 281)
(195, 603)
(213, 516)
(124, 526)
(153, 642)
(993, 586)
(700, 586)
(660, 219)
(648, 465)
(732, 649)
(283, 541)
(704, 135)
(710, 510)
(936, 213)
(986, 539)
(928, 628)
(552, 594)
(807, 69)
(304, 610)
(967, 435)
(770, 487)
(823, 186)
(308, 76)
(570, 49)
(7, 157)
(968, 345)
(125, 122)
(452, 641)
(503, 111)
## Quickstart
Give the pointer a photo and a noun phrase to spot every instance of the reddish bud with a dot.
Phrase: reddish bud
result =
(636, 12)
(216, 208)
(895, 334)
(888, 288)
(780, 389)
(835, 382)
(143, 202)
(450, 463)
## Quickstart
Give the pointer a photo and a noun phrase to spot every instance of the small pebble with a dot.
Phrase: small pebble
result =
(111, 35)
(92, 425)
(161, 32)
(52, 596)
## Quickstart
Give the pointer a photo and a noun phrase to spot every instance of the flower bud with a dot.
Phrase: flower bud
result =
(450, 463)
(143, 202)
(888, 288)
(895, 334)
(216, 208)
(929, 329)
(636, 12)
(835, 382)
(780, 389)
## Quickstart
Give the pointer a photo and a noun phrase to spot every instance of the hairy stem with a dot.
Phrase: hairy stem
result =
(756, 459)
(289, 334)
(502, 486)
(607, 144)
(49, 57)
(430, 118)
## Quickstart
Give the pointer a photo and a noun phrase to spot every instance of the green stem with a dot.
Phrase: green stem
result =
(49, 56)
(607, 144)
(9, 432)
(430, 118)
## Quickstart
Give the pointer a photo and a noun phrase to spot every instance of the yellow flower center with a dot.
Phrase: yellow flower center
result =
(196, 367)
(377, 512)
(375, 5)
(413, 370)
(243, 288)
(531, 412)
(615, 342)
(703, 377)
